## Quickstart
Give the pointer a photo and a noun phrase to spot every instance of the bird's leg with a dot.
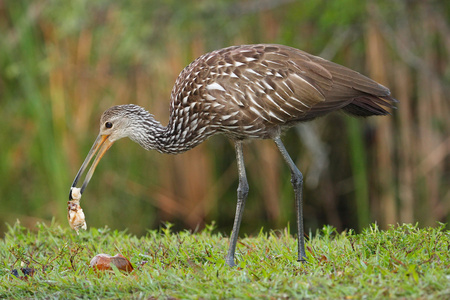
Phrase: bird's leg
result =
(297, 183)
(242, 193)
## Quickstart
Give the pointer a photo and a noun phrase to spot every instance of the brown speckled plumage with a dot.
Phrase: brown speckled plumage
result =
(246, 92)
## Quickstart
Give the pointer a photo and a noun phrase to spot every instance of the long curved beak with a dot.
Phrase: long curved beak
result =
(100, 146)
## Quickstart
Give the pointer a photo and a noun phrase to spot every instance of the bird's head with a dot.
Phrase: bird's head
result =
(115, 123)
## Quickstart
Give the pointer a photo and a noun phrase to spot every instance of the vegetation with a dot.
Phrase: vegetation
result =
(401, 262)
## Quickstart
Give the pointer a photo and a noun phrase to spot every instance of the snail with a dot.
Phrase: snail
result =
(75, 213)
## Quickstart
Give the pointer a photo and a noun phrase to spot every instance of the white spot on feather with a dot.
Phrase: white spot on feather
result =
(226, 117)
(193, 125)
(294, 107)
(200, 131)
(292, 92)
(215, 86)
(274, 62)
(253, 131)
(297, 100)
(258, 113)
(305, 81)
(253, 72)
(278, 106)
(255, 111)
(250, 96)
(260, 86)
(267, 85)
(275, 116)
(210, 98)
(216, 104)
(273, 101)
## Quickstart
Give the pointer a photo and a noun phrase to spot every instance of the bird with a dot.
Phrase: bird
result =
(245, 92)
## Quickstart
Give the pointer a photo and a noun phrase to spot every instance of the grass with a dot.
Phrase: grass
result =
(404, 261)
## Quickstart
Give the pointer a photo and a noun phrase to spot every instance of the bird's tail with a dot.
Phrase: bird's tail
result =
(370, 105)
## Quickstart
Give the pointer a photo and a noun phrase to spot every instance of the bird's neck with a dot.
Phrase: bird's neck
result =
(171, 139)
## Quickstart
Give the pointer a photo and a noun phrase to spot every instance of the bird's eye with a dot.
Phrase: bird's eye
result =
(108, 124)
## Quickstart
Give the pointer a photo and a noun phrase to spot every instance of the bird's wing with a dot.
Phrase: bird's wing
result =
(264, 84)
(354, 92)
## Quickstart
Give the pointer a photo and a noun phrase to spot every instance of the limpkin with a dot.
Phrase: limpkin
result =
(245, 92)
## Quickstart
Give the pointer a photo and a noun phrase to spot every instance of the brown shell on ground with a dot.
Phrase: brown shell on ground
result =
(103, 262)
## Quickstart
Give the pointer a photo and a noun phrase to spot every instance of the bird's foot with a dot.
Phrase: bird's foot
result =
(302, 260)
(230, 262)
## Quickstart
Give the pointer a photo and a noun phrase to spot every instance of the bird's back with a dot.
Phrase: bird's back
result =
(253, 91)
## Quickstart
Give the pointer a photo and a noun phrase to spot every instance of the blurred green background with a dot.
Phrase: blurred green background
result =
(63, 62)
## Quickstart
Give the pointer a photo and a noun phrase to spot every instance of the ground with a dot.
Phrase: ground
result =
(402, 262)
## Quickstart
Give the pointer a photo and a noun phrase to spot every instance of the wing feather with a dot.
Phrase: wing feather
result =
(274, 85)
